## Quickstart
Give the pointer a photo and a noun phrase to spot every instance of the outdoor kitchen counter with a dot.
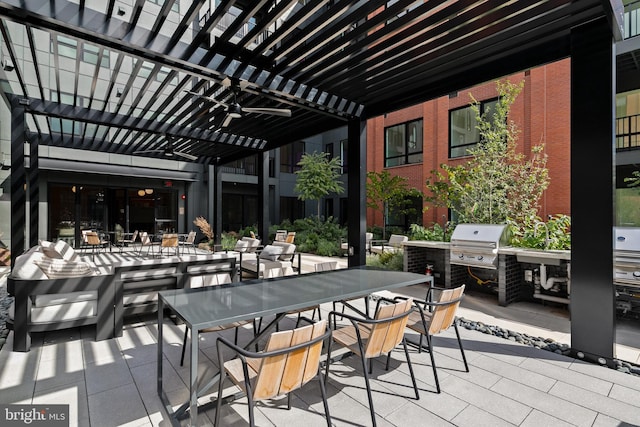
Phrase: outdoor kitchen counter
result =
(427, 244)
(536, 253)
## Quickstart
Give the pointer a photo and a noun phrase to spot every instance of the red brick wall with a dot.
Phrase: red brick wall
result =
(541, 112)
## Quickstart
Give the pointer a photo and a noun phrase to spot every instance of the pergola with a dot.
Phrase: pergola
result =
(331, 63)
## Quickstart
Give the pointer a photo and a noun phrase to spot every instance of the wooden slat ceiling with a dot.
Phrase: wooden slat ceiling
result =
(113, 78)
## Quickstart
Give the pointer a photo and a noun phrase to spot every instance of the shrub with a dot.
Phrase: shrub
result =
(532, 233)
(228, 241)
(435, 233)
(327, 248)
(387, 260)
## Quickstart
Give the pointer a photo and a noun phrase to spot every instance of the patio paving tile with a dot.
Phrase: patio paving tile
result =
(603, 404)
(546, 403)
(473, 416)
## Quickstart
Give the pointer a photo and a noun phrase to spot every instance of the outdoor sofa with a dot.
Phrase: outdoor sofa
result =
(277, 259)
(394, 244)
(54, 288)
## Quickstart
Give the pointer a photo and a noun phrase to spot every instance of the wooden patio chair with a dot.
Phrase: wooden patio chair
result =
(169, 243)
(431, 318)
(289, 361)
(189, 242)
(370, 338)
(126, 241)
(94, 241)
(145, 242)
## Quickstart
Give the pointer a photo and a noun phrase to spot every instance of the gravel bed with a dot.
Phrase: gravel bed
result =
(538, 342)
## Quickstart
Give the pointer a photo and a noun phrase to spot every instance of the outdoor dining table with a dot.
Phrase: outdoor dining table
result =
(203, 308)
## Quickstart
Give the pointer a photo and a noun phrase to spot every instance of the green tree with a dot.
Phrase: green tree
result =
(318, 177)
(387, 193)
(498, 183)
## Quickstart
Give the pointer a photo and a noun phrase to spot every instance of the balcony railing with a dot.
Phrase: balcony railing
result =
(632, 19)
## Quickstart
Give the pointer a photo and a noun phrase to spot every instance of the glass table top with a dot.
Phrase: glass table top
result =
(206, 307)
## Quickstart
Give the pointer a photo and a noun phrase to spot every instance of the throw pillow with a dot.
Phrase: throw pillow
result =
(60, 268)
(59, 249)
(271, 252)
(241, 246)
(26, 268)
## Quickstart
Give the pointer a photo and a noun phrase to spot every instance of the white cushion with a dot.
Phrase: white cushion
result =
(288, 249)
(60, 268)
(26, 267)
(139, 298)
(241, 246)
(397, 239)
(149, 274)
(208, 268)
(252, 265)
(66, 298)
(59, 249)
(271, 252)
(253, 243)
(209, 280)
(60, 312)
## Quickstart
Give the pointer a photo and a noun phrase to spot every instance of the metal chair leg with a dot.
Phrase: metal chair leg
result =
(464, 358)
(433, 363)
(366, 380)
(223, 376)
(324, 399)
(413, 377)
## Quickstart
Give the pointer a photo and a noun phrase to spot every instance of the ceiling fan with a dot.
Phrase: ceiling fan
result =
(234, 110)
(168, 151)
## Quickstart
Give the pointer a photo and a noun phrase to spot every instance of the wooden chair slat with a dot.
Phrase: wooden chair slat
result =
(295, 364)
(272, 368)
(314, 354)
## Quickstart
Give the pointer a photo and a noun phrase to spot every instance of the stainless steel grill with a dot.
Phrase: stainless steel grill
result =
(626, 253)
(477, 245)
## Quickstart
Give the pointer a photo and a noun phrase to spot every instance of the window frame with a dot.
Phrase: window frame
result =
(467, 145)
(406, 157)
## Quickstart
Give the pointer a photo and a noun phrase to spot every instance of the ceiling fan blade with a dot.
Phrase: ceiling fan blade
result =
(208, 98)
(185, 155)
(283, 112)
(227, 121)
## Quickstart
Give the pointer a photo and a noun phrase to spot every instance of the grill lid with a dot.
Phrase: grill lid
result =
(627, 239)
(476, 245)
(479, 235)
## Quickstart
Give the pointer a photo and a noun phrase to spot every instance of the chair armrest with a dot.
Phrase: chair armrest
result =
(378, 241)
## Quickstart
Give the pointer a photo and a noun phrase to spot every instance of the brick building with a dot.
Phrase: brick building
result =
(541, 112)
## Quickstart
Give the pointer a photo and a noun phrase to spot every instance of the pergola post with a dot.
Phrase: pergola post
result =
(592, 190)
(34, 192)
(357, 190)
(18, 179)
(263, 196)
(215, 197)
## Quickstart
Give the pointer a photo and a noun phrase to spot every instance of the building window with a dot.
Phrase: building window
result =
(291, 208)
(463, 133)
(290, 155)
(403, 144)
(412, 214)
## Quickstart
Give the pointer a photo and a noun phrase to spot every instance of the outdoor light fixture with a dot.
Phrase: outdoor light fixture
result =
(118, 92)
(235, 111)
(148, 190)
(121, 11)
(141, 193)
(7, 65)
